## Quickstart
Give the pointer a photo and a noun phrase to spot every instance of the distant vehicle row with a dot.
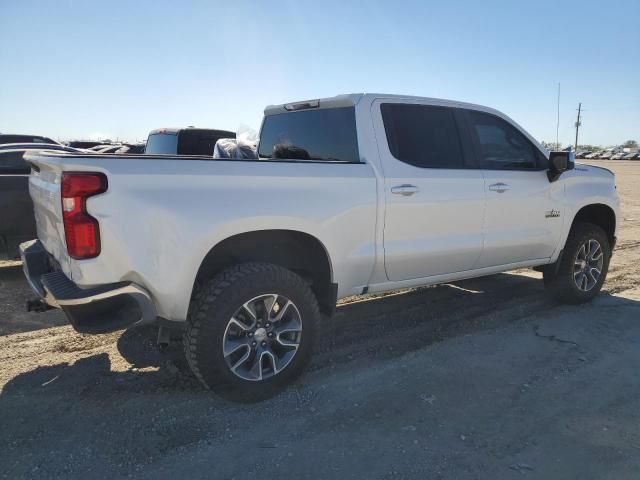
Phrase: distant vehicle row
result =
(137, 148)
(608, 155)
(162, 141)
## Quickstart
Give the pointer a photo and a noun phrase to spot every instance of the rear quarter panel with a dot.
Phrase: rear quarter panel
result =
(160, 217)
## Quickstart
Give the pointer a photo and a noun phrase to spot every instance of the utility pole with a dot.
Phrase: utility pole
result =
(578, 126)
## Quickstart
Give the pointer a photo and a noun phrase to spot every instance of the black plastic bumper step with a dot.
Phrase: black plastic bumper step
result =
(64, 289)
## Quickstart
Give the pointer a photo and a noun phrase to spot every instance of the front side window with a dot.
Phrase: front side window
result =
(327, 134)
(12, 163)
(422, 135)
(500, 145)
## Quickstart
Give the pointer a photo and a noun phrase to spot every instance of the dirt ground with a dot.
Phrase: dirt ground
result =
(484, 378)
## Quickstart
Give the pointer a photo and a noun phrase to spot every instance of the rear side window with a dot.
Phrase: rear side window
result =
(500, 145)
(162, 144)
(12, 163)
(323, 134)
(422, 135)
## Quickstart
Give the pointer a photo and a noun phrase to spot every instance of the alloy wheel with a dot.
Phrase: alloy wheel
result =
(587, 266)
(262, 337)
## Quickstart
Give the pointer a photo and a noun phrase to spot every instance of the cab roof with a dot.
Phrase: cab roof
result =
(352, 99)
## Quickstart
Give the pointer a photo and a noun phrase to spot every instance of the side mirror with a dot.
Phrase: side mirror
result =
(559, 162)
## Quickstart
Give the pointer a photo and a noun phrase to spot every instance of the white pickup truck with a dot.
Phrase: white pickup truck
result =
(349, 195)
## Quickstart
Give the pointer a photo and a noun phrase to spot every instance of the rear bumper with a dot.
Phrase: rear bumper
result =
(100, 309)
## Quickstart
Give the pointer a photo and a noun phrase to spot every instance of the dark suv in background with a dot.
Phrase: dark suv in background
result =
(184, 141)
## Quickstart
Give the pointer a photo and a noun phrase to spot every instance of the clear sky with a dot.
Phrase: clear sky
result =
(120, 69)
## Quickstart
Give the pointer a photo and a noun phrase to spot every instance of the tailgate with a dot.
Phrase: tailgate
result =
(44, 188)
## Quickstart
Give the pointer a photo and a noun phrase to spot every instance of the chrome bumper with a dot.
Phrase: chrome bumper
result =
(100, 309)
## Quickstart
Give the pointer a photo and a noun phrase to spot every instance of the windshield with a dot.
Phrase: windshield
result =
(325, 134)
(162, 144)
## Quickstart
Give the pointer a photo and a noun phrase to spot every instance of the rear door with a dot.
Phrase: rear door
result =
(524, 216)
(434, 203)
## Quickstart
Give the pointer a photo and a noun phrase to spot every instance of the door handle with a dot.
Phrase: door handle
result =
(405, 190)
(499, 187)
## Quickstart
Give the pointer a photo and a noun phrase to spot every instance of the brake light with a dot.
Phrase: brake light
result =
(81, 230)
(292, 107)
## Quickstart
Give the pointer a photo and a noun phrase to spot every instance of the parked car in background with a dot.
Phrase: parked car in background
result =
(109, 148)
(631, 156)
(85, 144)
(16, 208)
(135, 148)
(13, 138)
(184, 141)
(606, 155)
(583, 154)
(618, 156)
(99, 147)
(592, 155)
(350, 195)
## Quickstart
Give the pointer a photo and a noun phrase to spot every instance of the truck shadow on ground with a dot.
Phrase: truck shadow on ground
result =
(14, 293)
(372, 329)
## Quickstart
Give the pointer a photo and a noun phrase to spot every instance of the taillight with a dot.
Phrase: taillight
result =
(81, 230)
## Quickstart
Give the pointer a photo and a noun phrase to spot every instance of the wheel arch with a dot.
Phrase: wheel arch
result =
(599, 214)
(297, 251)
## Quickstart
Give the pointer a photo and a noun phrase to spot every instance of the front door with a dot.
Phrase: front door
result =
(524, 214)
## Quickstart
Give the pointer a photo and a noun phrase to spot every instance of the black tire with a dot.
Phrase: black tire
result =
(212, 307)
(560, 283)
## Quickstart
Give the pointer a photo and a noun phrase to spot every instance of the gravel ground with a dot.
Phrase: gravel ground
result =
(484, 378)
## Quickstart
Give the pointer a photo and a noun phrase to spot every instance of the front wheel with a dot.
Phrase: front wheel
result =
(250, 330)
(583, 266)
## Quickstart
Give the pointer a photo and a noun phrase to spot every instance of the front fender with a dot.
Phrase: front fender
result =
(586, 186)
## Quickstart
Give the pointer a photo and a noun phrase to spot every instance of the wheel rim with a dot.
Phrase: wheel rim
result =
(587, 266)
(262, 337)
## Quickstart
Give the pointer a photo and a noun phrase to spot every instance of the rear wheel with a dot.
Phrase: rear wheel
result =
(583, 266)
(250, 330)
